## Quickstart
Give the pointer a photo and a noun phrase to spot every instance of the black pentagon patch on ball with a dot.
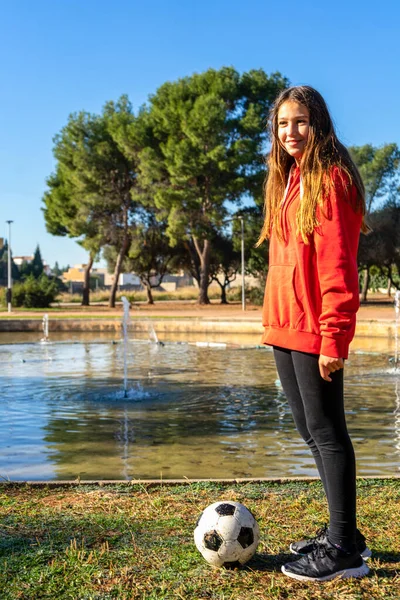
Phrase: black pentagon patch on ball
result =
(245, 537)
(225, 509)
(232, 565)
(212, 541)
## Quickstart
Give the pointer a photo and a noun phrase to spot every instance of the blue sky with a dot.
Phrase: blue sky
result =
(63, 56)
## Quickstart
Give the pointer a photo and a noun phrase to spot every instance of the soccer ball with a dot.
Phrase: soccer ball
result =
(226, 534)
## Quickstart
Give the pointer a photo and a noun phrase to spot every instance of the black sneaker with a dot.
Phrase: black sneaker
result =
(326, 562)
(306, 546)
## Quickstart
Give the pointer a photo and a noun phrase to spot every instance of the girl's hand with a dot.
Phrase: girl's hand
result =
(327, 365)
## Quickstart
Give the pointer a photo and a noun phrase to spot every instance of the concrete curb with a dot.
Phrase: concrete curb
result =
(66, 483)
(189, 325)
(365, 328)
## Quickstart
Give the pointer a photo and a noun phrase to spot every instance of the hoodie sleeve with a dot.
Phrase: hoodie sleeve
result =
(336, 243)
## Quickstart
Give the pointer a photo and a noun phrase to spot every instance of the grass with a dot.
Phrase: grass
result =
(136, 542)
(180, 294)
(101, 298)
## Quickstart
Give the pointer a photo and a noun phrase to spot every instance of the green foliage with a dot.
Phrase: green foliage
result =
(89, 195)
(379, 169)
(56, 269)
(35, 293)
(225, 262)
(25, 270)
(254, 295)
(4, 266)
(209, 141)
(37, 263)
(379, 252)
(91, 184)
(256, 258)
(150, 254)
(378, 279)
(35, 268)
(211, 133)
(198, 144)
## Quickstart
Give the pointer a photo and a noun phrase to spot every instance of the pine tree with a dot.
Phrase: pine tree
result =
(36, 265)
(211, 140)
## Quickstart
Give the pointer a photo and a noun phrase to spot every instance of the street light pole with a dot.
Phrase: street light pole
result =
(243, 279)
(9, 288)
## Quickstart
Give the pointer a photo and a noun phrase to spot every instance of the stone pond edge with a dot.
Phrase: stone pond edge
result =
(365, 328)
(101, 483)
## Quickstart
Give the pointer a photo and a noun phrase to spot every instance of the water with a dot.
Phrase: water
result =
(190, 411)
(151, 331)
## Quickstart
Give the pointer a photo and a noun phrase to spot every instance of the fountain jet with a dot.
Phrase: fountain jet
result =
(125, 324)
(45, 327)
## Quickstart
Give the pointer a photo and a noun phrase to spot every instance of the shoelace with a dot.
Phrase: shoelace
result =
(319, 551)
(320, 533)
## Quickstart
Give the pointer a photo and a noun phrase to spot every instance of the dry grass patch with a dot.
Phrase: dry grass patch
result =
(135, 542)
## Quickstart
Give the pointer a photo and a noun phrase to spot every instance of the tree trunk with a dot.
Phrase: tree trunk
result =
(150, 299)
(86, 281)
(194, 269)
(223, 291)
(204, 255)
(117, 271)
(389, 287)
(365, 285)
(223, 295)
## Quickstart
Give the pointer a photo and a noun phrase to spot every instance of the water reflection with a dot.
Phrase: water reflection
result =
(191, 412)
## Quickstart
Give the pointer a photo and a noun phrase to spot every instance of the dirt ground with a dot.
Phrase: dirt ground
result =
(378, 308)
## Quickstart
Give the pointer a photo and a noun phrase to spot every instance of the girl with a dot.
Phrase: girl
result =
(314, 211)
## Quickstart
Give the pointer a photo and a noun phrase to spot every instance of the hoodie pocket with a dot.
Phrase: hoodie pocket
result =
(282, 307)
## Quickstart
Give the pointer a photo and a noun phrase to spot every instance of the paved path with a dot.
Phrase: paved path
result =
(376, 311)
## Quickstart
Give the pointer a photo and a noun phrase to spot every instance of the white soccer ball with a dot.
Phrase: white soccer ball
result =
(227, 534)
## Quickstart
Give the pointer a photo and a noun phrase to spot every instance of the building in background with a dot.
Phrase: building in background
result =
(126, 281)
(19, 260)
(101, 278)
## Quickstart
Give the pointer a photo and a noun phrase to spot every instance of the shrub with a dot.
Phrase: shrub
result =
(35, 293)
(254, 295)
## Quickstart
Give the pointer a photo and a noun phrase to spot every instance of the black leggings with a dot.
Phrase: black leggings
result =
(318, 411)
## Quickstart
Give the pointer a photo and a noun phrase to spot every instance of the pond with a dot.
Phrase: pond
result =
(193, 411)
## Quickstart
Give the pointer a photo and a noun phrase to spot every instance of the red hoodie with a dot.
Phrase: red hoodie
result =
(312, 295)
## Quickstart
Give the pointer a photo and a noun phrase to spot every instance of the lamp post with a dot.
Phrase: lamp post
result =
(9, 285)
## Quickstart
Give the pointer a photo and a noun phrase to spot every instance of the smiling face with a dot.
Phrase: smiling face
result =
(293, 127)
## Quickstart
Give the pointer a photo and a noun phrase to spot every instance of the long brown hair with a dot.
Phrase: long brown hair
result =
(322, 152)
